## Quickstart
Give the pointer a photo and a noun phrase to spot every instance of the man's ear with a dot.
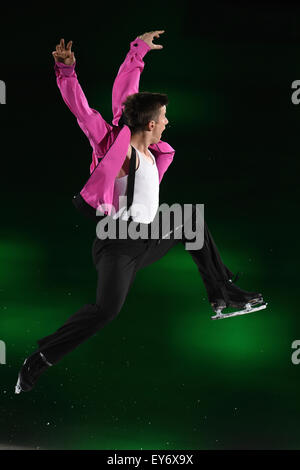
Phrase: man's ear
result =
(151, 125)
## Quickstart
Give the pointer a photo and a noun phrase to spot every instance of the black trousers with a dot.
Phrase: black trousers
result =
(117, 262)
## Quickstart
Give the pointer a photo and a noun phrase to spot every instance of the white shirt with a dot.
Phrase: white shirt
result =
(146, 191)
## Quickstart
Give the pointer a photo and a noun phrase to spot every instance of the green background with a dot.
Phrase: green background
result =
(162, 375)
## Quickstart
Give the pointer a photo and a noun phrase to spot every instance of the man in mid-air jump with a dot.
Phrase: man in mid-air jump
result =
(129, 158)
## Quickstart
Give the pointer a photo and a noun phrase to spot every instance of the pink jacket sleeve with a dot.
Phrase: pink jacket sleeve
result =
(128, 77)
(127, 83)
(89, 120)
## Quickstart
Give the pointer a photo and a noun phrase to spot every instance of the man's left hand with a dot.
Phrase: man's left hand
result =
(148, 38)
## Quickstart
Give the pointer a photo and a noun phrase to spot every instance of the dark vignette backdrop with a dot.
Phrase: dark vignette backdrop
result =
(162, 375)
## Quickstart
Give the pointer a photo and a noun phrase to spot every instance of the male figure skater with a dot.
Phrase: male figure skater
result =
(139, 119)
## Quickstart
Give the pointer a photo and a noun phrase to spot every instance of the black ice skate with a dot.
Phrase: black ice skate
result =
(32, 368)
(234, 297)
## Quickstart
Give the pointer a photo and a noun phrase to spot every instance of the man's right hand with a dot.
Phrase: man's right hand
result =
(64, 54)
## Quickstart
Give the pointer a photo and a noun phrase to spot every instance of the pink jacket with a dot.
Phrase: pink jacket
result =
(108, 141)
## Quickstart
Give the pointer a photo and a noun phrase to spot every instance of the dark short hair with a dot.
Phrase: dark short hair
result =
(140, 108)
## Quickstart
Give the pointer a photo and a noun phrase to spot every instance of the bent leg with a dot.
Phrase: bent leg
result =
(208, 260)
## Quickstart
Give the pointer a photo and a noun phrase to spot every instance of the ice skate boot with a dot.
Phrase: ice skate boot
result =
(234, 297)
(32, 368)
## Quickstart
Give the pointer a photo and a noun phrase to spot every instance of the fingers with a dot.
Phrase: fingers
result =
(61, 46)
(61, 50)
(157, 33)
(66, 60)
(153, 34)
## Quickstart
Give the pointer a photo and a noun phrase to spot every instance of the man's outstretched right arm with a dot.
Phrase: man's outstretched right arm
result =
(89, 120)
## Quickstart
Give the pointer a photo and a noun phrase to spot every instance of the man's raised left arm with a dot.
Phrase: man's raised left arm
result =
(128, 77)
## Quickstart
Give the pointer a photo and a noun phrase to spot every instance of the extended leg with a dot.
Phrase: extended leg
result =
(115, 275)
(116, 272)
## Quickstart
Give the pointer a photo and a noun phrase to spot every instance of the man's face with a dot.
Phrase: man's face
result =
(160, 125)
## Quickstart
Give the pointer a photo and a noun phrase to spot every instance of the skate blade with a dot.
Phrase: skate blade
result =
(220, 316)
(18, 387)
